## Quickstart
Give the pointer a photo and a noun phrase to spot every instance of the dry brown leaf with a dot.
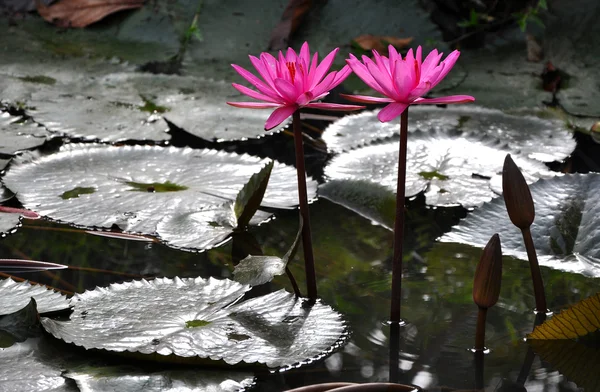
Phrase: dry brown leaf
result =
(290, 21)
(81, 13)
(380, 42)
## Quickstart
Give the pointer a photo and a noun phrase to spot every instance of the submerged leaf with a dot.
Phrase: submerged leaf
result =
(257, 270)
(209, 177)
(20, 325)
(575, 322)
(154, 317)
(15, 296)
(564, 231)
(251, 195)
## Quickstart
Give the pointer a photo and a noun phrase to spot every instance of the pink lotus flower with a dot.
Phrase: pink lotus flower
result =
(404, 81)
(290, 83)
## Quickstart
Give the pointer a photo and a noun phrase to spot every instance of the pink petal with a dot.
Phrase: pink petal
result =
(325, 85)
(382, 63)
(449, 99)
(254, 105)
(256, 82)
(323, 68)
(253, 94)
(263, 71)
(303, 99)
(366, 99)
(401, 77)
(384, 81)
(270, 65)
(362, 72)
(419, 56)
(391, 111)
(431, 61)
(291, 56)
(336, 107)
(393, 54)
(448, 63)
(279, 115)
(311, 71)
(341, 75)
(305, 56)
(420, 90)
(288, 91)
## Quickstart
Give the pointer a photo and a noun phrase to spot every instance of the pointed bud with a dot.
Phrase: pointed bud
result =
(519, 203)
(488, 275)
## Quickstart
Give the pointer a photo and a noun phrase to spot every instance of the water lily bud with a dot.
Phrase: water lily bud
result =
(519, 203)
(488, 275)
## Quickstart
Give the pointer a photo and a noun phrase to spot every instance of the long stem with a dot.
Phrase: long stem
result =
(399, 223)
(536, 275)
(309, 261)
(480, 330)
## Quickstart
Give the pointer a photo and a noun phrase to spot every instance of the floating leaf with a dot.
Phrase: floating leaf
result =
(251, 195)
(452, 168)
(81, 13)
(545, 140)
(579, 363)
(15, 296)
(257, 270)
(9, 222)
(47, 365)
(20, 325)
(575, 322)
(16, 265)
(373, 201)
(209, 177)
(17, 134)
(196, 318)
(564, 230)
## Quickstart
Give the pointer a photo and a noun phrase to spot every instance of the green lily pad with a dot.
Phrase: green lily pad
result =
(564, 231)
(15, 296)
(210, 178)
(16, 135)
(451, 167)
(200, 318)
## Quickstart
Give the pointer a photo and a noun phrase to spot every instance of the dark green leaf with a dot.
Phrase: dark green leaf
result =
(249, 198)
(21, 325)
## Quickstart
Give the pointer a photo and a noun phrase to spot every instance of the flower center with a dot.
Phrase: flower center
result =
(292, 68)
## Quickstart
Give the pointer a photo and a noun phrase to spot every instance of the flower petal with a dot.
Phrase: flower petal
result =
(288, 91)
(253, 94)
(325, 85)
(341, 75)
(279, 115)
(263, 71)
(305, 56)
(336, 107)
(383, 80)
(447, 100)
(448, 63)
(255, 81)
(254, 105)
(366, 99)
(431, 61)
(391, 111)
(323, 68)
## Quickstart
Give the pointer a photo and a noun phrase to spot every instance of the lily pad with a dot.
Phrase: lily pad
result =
(15, 296)
(16, 135)
(542, 139)
(9, 223)
(199, 318)
(564, 231)
(41, 365)
(115, 174)
(452, 168)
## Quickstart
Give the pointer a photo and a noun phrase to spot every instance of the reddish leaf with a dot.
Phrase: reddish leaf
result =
(551, 78)
(121, 236)
(18, 265)
(26, 213)
(380, 43)
(290, 21)
(81, 13)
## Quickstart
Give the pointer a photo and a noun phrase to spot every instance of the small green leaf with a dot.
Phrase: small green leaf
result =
(249, 198)
(39, 79)
(151, 107)
(536, 19)
(166, 186)
(542, 4)
(196, 323)
(430, 175)
(76, 192)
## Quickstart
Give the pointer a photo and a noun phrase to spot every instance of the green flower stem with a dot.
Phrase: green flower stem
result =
(536, 275)
(309, 261)
(399, 222)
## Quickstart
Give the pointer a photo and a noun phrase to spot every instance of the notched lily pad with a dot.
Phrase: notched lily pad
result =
(15, 296)
(187, 180)
(199, 318)
(542, 139)
(452, 168)
(17, 134)
(564, 231)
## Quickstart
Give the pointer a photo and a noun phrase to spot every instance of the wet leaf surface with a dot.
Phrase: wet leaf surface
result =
(451, 167)
(211, 178)
(78, 13)
(197, 318)
(20, 325)
(564, 231)
(17, 135)
(577, 321)
(15, 296)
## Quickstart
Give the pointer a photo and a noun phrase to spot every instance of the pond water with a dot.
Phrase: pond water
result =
(353, 259)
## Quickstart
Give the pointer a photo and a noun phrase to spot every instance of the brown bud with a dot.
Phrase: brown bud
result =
(517, 196)
(488, 275)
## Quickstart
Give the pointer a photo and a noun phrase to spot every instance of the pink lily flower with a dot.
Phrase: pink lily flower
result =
(403, 81)
(291, 82)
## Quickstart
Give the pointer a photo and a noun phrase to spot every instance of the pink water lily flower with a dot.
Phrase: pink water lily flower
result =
(404, 80)
(291, 82)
